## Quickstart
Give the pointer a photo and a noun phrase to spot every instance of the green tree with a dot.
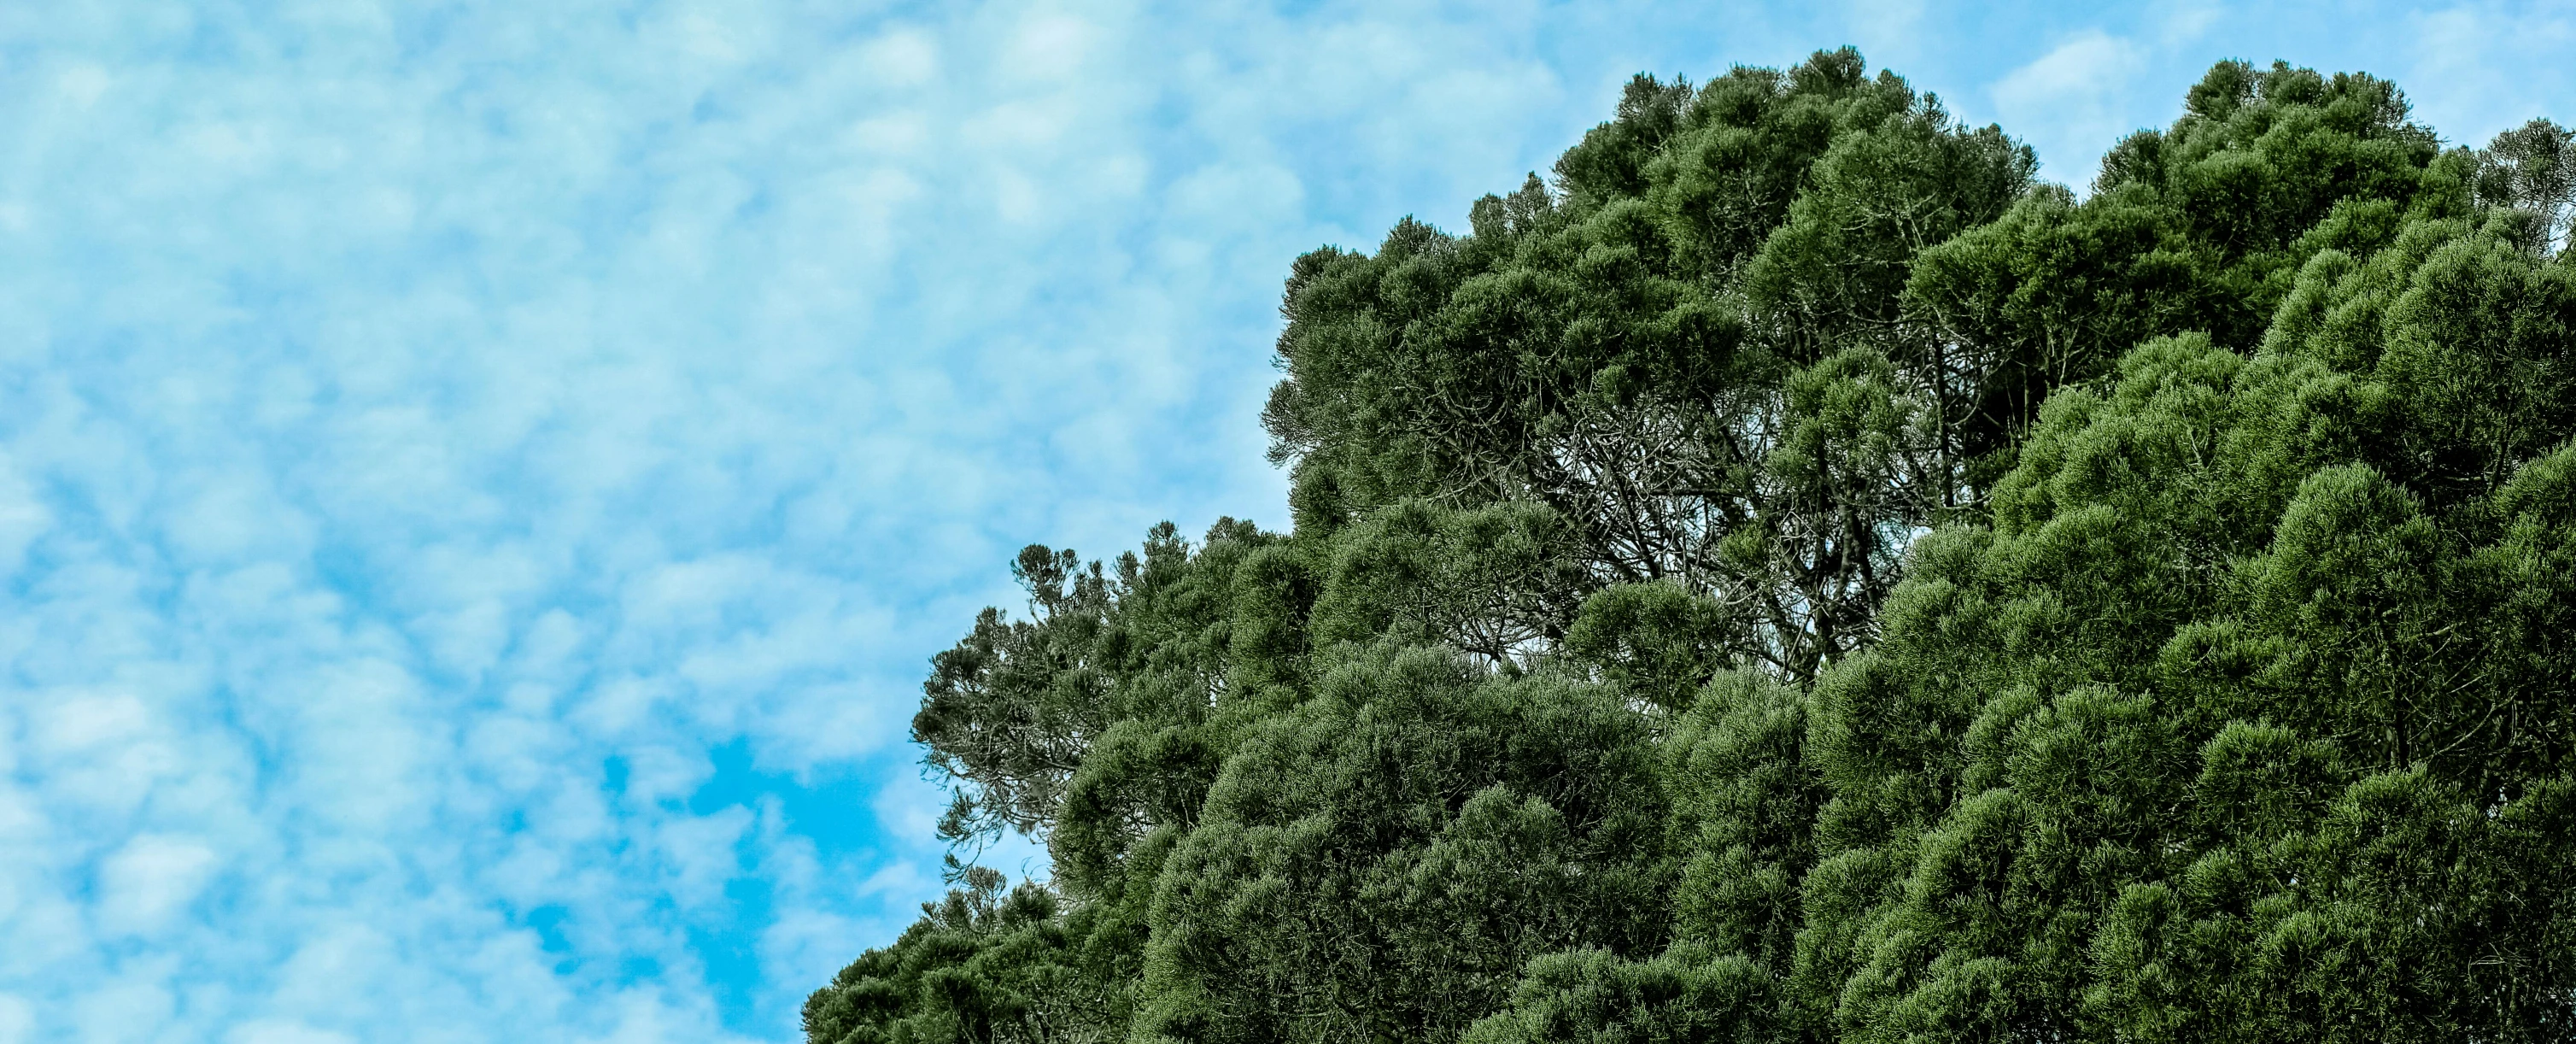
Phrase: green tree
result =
(2245, 721)
(981, 967)
(1789, 579)
(1682, 348)
(2199, 227)
(1380, 862)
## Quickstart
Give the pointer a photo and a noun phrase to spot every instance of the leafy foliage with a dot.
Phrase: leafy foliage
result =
(1382, 860)
(1790, 579)
(1682, 350)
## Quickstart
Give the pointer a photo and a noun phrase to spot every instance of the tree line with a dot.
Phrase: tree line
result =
(1792, 576)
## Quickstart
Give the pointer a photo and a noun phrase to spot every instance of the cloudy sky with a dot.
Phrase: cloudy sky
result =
(479, 482)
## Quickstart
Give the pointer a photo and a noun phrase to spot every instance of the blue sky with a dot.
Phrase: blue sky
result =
(480, 482)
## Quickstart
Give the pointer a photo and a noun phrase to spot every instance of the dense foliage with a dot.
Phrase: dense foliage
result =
(1793, 578)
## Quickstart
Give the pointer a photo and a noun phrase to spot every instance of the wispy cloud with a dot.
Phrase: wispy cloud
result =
(2478, 69)
(2072, 100)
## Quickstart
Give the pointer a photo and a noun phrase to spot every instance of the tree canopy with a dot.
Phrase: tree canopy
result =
(1791, 576)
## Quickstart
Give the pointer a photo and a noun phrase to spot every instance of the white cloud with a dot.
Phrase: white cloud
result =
(1889, 32)
(150, 879)
(2072, 103)
(1046, 47)
(2493, 66)
(699, 854)
(23, 518)
(2183, 23)
(128, 1009)
(899, 57)
(270, 1031)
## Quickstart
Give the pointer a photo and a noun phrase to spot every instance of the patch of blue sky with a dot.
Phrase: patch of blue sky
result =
(480, 482)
